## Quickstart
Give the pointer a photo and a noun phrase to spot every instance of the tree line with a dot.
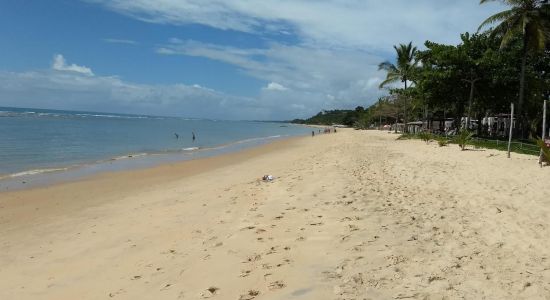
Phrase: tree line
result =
(348, 118)
(506, 61)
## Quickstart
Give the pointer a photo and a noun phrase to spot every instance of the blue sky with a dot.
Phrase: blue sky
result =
(227, 59)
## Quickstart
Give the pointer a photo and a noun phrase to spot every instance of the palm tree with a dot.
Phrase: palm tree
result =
(528, 19)
(406, 64)
(403, 71)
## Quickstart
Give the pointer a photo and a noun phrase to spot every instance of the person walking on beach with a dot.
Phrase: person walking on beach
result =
(193, 133)
(312, 133)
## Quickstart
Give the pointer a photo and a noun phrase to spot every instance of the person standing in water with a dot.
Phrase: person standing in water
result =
(193, 133)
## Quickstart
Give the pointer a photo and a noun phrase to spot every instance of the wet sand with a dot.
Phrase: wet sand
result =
(352, 215)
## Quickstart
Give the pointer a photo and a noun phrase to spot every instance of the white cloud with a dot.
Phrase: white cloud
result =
(370, 24)
(373, 82)
(273, 86)
(78, 91)
(348, 75)
(59, 64)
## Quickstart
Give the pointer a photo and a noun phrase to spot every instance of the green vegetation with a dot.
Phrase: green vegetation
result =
(528, 22)
(480, 76)
(442, 142)
(463, 138)
(516, 146)
(545, 150)
(342, 117)
(425, 136)
(405, 68)
(407, 136)
(407, 64)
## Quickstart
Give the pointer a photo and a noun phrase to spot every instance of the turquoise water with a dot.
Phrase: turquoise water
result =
(36, 141)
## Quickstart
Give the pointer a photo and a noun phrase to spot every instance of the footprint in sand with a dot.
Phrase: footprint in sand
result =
(250, 295)
(210, 292)
(276, 285)
(272, 250)
(316, 224)
(245, 273)
(286, 261)
(121, 291)
(345, 237)
(352, 228)
(358, 248)
(253, 258)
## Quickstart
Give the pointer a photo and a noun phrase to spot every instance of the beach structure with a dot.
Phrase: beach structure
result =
(415, 127)
(398, 127)
(469, 123)
(497, 125)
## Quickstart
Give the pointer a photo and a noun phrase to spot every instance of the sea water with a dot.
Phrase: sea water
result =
(39, 141)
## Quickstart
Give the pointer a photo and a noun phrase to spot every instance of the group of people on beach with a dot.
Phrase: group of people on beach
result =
(325, 130)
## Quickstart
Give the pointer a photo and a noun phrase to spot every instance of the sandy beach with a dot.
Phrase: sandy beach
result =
(352, 215)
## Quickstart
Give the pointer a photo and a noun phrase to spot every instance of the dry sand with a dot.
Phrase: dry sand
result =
(352, 215)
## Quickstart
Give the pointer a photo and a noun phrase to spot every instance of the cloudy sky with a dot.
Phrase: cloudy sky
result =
(224, 59)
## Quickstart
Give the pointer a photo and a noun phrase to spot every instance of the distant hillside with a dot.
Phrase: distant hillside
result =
(330, 117)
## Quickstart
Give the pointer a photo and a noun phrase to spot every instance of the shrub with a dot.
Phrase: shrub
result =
(425, 136)
(442, 142)
(463, 138)
(361, 124)
(545, 151)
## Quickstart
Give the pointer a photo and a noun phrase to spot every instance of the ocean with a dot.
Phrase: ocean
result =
(39, 141)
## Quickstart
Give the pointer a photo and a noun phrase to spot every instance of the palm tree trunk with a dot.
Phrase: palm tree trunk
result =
(522, 88)
(396, 120)
(470, 104)
(405, 129)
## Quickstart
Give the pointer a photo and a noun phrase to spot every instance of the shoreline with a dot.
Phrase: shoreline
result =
(355, 214)
(130, 180)
(36, 178)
